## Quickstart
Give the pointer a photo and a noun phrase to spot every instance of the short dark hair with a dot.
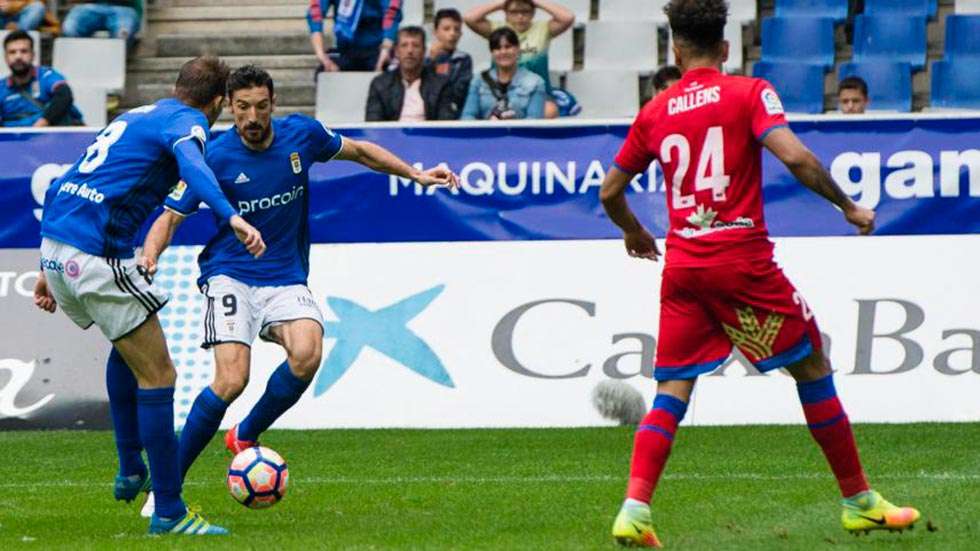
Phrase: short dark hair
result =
(250, 76)
(19, 34)
(201, 80)
(498, 36)
(413, 30)
(853, 83)
(700, 24)
(664, 75)
(528, 3)
(447, 13)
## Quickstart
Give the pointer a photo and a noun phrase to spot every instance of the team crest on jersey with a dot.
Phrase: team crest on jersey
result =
(754, 339)
(771, 101)
(295, 161)
(177, 193)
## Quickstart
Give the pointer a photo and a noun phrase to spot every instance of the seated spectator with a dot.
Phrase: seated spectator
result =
(26, 15)
(413, 92)
(33, 96)
(364, 32)
(665, 77)
(535, 36)
(852, 96)
(507, 91)
(446, 60)
(120, 18)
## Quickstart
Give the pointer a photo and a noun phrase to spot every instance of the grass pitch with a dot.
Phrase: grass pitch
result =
(725, 488)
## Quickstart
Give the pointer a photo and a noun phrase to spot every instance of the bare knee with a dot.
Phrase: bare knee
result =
(813, 367)
(679, 388)
(305, 360)
(229, 384)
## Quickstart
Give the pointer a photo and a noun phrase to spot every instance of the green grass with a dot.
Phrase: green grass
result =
(725, 488)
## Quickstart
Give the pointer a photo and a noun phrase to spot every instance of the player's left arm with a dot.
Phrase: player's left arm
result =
(380, 159)
(158, 239)
(639, 242)
(787, 147)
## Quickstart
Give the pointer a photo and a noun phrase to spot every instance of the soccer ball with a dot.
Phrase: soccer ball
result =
(258, 478)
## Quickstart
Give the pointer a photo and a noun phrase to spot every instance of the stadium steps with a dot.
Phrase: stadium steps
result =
(265, 18)
(297, 94)
(283, 68)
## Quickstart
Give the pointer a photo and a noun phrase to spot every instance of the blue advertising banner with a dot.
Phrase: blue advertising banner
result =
(921, 175)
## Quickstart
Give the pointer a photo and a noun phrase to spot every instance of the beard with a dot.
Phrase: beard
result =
(249, 130)
(20, 68)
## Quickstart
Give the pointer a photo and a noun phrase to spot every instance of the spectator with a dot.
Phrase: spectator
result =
(364, 32)
(852, 96)
(535, 36)
(446, 60)
(665, 77)
(121, 18)
(413, 92)
(507, 91)
(33, 96)
(26, 15)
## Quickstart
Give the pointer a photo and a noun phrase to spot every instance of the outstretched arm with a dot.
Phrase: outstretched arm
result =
(787, 147)
(380, 159)
(158, 239)
(639, 242)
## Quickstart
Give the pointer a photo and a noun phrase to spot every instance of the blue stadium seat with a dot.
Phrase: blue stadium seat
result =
(962, 36)
(892, 37)
(889, 84)
(955, 85)
(807, 40)
(836, 9)
(925, 8)
(799, 85)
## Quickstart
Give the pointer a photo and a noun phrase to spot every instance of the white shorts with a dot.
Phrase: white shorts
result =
(238, 312)
(109, 292)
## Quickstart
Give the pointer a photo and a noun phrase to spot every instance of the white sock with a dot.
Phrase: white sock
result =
(630, 502)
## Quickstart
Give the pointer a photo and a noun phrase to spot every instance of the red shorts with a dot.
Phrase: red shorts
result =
(749, 304)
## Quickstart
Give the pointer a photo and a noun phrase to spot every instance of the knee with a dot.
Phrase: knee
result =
(813, 367)
(305, 362)
(229, 385)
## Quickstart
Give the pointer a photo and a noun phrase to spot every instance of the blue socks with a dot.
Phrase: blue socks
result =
(155, 411)
(121, 386)
(283, 390)
(202, 423)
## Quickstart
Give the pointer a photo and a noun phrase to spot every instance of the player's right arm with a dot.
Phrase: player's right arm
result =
(380, 159)
(787, 147)
(158, 239)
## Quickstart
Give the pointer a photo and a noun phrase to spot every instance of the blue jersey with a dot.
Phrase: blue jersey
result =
(99, 205)
(270, 191)
(24, 105)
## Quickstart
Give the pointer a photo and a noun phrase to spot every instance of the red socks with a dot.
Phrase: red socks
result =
(651, 446)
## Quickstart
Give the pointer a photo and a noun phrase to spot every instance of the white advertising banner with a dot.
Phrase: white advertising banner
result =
(517, 334)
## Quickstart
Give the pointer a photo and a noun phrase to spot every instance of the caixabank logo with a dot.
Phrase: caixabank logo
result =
(384, 330)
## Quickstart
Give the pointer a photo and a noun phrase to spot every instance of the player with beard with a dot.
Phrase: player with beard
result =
(33, 96)
(263, 166)
(721, 287)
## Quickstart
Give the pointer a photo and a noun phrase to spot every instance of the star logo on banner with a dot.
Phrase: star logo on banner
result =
(384, 330)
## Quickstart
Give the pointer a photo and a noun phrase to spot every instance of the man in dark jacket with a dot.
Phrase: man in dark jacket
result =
(413, 92)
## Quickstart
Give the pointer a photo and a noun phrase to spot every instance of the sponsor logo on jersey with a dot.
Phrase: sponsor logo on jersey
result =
(296, 163)
(242, 178)
(754, 339)
(705, 220)
(49, 265)
(770, 100)
(72, 269)
(178, 192)
(272, 201)
(693, 100)
(82, 191)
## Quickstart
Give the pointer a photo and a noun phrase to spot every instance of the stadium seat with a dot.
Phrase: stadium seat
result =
(955, 85)
(561, 53)
(742, 11)
(621, 45)
(802, 40)
(633, 10)
(892, 38)
(736, 55)
(835, 9)
(478, 48)
(967, 7)
(91, 102)
(962, 32)
(605, 94)
(413, 13)
(924, 8)
(94, 62)
(37, 44)
(889, 83)
(799, 85)
(342, 97)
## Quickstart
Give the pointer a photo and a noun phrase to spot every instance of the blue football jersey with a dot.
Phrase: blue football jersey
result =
(269, 189)
(99, 205)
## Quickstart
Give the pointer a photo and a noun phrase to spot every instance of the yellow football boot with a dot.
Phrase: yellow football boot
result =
(634, 528)
(869, 511)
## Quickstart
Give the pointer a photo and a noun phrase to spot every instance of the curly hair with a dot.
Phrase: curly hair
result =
(699, 23)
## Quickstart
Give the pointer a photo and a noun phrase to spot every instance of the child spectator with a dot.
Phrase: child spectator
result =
(446, 60)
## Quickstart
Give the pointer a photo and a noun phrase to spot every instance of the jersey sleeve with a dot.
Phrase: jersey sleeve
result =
(186, 125)
(635, 156)
(326, 143)
(182, 200)
(50, 80)
(766, 109)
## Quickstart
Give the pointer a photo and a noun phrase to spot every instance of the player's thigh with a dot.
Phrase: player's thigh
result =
(292, 319)
(145, 351)
(765, 316)
(690, 341)
(231, 314)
